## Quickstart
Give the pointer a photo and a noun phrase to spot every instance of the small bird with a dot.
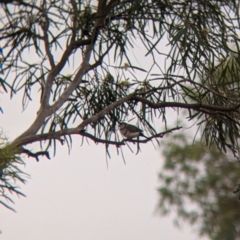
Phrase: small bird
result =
(130, 131)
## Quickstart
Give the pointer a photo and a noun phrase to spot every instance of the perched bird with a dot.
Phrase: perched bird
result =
(130, 131)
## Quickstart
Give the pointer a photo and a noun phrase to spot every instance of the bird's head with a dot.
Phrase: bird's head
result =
(121, 125)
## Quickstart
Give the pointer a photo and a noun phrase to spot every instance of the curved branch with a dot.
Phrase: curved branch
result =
(194, 106)
(106, 110)
(98, 140)
(132, 96)
(57, 69)
(75, 131)
(35, 155)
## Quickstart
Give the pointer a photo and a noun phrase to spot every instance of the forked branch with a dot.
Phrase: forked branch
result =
(98, 140)
(75, 131)
(35, 155)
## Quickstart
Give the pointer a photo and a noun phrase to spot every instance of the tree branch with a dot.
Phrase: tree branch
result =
(194, 106)
(35, 155)
(82, 70)
(98, 140)
(45, 27)
(57, 69)
(75, 131)
(85, 62)
(106, 110)
(74, 19)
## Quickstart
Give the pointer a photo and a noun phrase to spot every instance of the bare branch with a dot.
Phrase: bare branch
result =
(45, 136)
(74, 19)
(35, 155)
(106, 110)
(57, 69)
(51, 76)
(75, 131)
(194, 106)
(45, 27)
(98, 140)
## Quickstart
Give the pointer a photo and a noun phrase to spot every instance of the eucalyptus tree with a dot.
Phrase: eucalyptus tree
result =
(79, 55)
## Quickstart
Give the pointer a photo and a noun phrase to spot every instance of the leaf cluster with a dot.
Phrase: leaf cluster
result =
(11, 173)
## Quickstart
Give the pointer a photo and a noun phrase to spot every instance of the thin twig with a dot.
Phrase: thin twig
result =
(194, 106)
(35, 155)
(45, 27)
(76, 131)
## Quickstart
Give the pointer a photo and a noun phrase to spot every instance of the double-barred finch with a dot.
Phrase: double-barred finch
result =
(130, 131)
